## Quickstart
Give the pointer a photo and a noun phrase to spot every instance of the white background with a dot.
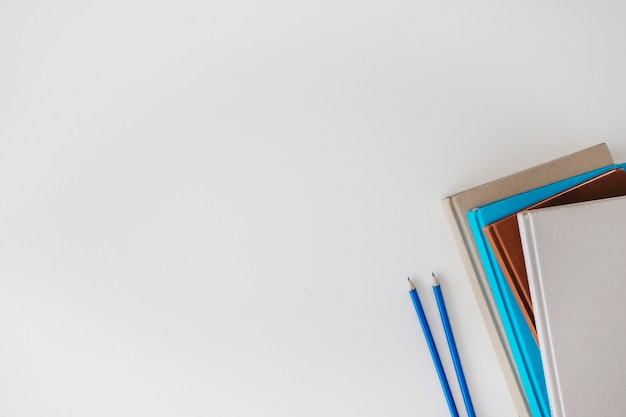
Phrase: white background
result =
(210, 208)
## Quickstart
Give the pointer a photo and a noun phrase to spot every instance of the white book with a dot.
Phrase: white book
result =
(576, 262)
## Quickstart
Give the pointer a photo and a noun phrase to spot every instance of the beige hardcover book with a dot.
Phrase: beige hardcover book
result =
(575, 260)
(456, 208)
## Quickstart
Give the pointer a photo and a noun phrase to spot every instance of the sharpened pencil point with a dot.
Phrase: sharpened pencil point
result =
(411, 286)
(435, 282)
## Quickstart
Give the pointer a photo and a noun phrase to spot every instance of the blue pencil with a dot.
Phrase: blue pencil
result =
(452, 345)
(433, 349)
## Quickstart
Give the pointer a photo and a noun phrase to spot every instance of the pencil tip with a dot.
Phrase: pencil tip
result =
(411, 286)
(435, 282)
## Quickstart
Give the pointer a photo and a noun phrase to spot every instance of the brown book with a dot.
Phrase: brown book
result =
(505, 240)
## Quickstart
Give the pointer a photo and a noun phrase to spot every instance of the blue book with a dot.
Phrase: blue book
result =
(521, 341)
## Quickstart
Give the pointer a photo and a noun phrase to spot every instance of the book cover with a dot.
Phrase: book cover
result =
(576, 269)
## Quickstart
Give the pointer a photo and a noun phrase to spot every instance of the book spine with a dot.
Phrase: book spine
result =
(534, 280)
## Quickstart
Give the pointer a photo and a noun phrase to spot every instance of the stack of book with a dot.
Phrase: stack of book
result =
(545, 253)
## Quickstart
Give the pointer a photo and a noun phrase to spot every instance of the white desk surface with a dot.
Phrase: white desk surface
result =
(210, 208)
